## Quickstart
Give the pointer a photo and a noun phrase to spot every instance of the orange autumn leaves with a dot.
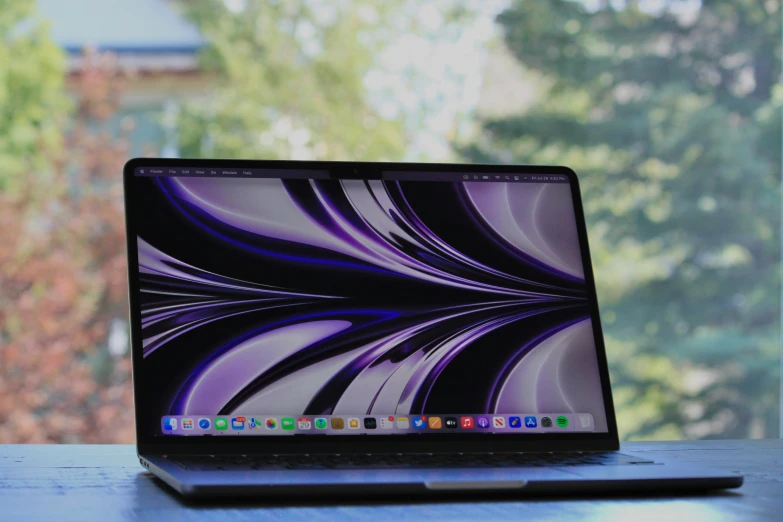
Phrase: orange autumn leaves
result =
(63, 280)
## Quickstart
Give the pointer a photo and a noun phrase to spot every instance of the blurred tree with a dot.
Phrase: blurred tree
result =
(32, 102)
(291, 82)
(672, 119)
(61, 244)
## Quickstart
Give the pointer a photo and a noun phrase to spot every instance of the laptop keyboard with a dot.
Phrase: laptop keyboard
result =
(402, 461)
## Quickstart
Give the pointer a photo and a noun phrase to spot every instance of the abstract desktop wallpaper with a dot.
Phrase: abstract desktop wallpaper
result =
(297, 296)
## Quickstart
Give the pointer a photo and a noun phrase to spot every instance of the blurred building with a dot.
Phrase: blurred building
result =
(151, 40)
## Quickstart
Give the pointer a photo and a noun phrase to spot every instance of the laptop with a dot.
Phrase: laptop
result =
(334, 328)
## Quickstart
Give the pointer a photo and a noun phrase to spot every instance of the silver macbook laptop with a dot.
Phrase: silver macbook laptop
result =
(310, 328)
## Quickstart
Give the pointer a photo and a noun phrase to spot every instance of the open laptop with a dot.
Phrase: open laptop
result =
(310, 328)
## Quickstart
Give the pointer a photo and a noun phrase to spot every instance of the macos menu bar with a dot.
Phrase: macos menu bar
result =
(476, 177)
(216, 172)
(189, 172)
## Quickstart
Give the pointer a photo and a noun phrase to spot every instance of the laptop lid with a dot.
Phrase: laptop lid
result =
(327, 306)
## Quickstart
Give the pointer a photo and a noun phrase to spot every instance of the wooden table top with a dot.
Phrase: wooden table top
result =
(105, 482)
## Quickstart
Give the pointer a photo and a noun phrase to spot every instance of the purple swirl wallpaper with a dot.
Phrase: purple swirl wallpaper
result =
(308, 297)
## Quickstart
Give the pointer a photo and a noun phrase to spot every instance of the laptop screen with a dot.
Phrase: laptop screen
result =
(284, 303)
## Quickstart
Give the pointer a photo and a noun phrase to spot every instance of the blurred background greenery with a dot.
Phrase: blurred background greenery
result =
(670, 111)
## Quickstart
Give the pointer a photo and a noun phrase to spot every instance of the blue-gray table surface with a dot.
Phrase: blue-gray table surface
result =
(105, 482)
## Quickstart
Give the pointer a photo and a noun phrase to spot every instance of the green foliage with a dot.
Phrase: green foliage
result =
(32, 101)
(290, 77)
(674, 127)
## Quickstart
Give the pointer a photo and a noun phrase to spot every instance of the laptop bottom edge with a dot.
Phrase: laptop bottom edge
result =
(508, 482)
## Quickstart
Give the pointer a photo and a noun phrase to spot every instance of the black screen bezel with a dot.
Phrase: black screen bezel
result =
(149, 443)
